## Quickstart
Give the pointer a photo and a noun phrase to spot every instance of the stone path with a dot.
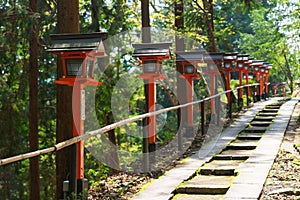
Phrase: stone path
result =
(234, 165)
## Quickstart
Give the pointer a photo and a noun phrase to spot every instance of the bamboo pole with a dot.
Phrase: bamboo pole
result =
(90, 134)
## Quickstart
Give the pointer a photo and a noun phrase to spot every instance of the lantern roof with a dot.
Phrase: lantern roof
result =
(189, 56)
(77, 42)
(213, 56)
(243, 57)
(257, 62)
(151, 49)
(230, 56)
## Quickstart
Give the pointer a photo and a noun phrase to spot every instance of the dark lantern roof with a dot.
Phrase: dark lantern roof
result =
(151, 49)
(77, 42)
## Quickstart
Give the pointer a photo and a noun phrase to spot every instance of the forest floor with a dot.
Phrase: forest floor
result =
(283, 181)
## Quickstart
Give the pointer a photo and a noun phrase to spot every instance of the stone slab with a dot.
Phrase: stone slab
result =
(260, 123)
(196, 197)
(264, 118)
(220, 167)
(270, 110)
(255, 134)
(266, 114)
(242, 145)
(206, 185)
(234, 155)
(255, 129)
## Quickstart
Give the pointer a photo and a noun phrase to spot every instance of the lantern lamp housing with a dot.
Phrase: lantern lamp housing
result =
(190, 69)
(256, 64)
(213, 59)
(79, 53)
(230, 60)
(150, 66)
(242, 59)
(152, 55)
(189, 62)
(227, 65)
(211, 66)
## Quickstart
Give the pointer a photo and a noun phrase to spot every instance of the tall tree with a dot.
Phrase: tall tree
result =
(146, 35)
(67, 22)
(208, 11)
(33, 102)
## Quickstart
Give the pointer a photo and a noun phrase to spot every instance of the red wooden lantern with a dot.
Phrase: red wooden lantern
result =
(152, 55)
(241, 64)
(78, 55)
(229, 65)
(189, 62)
(213, 60)
(256, 65)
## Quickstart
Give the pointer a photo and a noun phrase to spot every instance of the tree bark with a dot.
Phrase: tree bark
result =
(180, 46)
(146, 36)
(95, 6)
(67, 22)
(208, 12)
(33, 105)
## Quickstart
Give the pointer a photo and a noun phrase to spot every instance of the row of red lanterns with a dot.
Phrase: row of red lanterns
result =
(79, 52)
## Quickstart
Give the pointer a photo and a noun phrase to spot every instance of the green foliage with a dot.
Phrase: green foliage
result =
(266, 30)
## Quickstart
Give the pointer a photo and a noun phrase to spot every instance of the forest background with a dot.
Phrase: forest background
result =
(266, 29)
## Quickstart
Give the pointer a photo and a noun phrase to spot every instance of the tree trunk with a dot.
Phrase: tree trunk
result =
(180, 46)
(209, 13)
(67, 22)
(95, 6)
(146, 36)
(114, 162)
(289, 73)
(33, 105)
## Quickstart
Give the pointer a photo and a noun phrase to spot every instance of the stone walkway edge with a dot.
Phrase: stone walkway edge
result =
(254, 171)
(162, 188)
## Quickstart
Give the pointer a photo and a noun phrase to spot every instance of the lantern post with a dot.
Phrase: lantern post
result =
(256, 64)
(188, 70)
(78, 56)
(213, 60)
(247, 69)
(242, 68)
(283, 88)
(268, 69)
(275, 89)
(263, 81)
(228, 67)
(152, 55)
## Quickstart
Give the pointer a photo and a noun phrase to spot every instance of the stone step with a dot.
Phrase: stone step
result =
(250, 136)
(242, 145)
(197, 197)
(205, 185)
(269, 114)
(273, 107)
(260, 123)
(233, 155)
(255, 129)
(264, 118)
(268, 110)
(220, 167)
